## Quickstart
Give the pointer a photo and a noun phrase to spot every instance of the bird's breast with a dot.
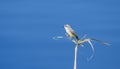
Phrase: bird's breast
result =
(69, 32)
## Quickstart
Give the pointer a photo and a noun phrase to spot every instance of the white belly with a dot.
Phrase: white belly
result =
(69, 32)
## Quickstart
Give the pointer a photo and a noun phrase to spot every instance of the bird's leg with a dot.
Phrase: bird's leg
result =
(68, 36)
(74, 41)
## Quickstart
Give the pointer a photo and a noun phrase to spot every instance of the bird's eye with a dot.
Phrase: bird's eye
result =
(66, 25)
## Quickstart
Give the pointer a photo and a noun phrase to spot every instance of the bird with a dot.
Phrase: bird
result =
(79, 42)
(70, 32)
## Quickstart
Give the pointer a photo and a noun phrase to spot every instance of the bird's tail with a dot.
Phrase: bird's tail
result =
(77, 37)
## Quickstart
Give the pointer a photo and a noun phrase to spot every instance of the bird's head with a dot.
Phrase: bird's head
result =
(66, 26)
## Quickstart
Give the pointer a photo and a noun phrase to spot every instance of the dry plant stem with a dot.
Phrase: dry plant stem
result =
(75, 58)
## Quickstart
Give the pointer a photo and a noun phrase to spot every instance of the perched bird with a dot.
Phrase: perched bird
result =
(70, 32)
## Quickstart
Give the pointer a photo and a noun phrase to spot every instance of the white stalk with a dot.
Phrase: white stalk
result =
(75, 58)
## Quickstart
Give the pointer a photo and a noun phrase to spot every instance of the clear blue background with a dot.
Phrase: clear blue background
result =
(27, 28)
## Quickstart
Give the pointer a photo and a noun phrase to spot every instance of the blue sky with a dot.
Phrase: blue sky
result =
(27, 28)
